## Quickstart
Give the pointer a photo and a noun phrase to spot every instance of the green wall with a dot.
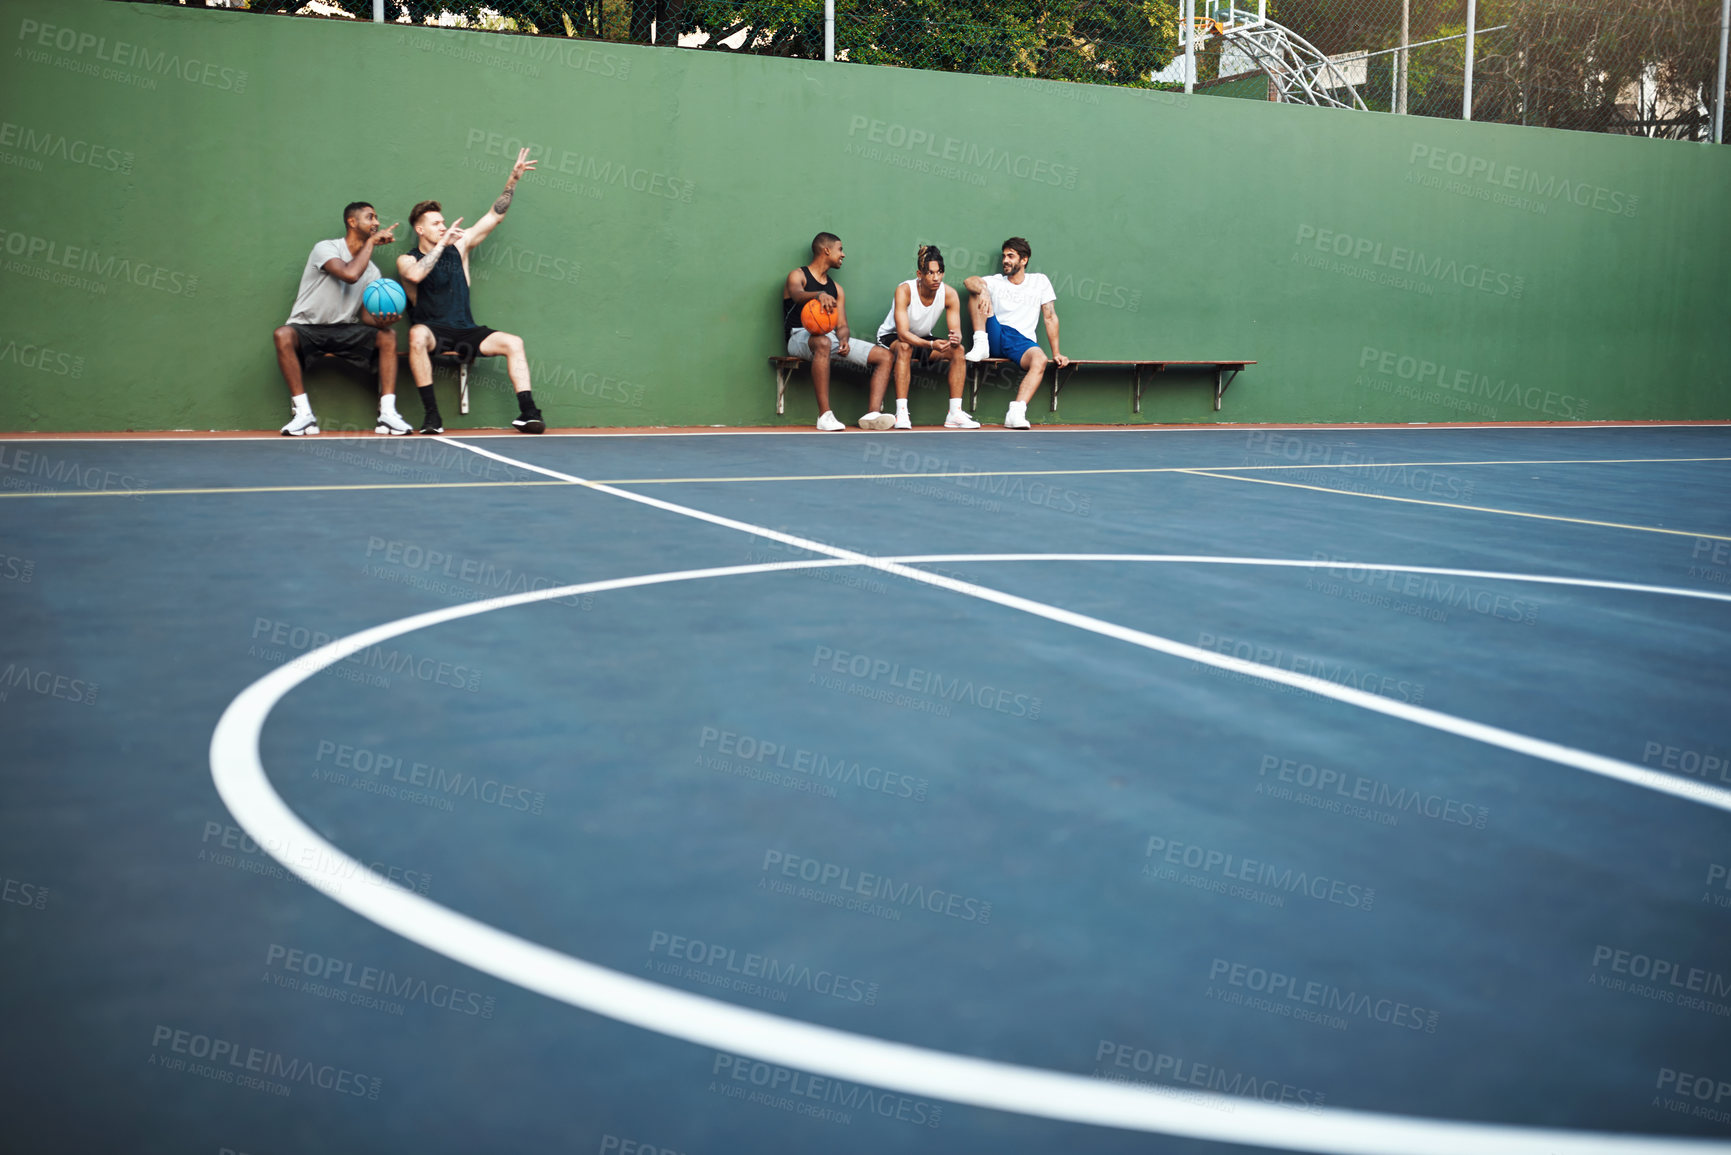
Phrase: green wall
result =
(166, 170)
(1251, 86)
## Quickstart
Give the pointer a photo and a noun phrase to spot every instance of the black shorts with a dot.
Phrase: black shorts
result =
(355, 343)
(922, 354)
(465, 343)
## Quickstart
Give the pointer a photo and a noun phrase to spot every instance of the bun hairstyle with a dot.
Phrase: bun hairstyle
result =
(926, 255)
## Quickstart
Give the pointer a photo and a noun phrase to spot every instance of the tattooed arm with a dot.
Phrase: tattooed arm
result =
(414, 265)
(494, 215)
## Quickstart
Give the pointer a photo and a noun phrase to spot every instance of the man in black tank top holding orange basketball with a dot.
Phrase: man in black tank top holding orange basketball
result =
(808, 283)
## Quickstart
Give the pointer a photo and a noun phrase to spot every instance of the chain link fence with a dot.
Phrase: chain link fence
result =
(1646, 67)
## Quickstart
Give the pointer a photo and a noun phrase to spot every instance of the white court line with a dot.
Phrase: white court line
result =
(1479, 732)
(1296, 563)
(245, 789)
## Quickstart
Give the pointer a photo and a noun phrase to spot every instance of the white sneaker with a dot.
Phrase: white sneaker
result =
(829, 424)
(902, 422)
(302, 425)
(959, 420)
(876, 422)
(981, 350)
(393, 424)
(1017, 419)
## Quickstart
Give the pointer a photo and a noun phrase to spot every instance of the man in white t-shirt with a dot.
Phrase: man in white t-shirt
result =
(328, 317)
(1003, 307)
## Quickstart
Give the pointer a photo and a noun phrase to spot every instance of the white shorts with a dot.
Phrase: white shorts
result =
(799, 345)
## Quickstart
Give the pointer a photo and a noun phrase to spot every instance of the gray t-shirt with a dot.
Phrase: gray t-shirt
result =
(328, 300)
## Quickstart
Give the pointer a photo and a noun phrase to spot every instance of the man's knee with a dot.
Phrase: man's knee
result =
(421, 339)
(286, 338)
(387, 340)
(819, 346)
(1036, 361)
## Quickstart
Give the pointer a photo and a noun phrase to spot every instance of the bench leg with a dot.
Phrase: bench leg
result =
(1222, 378)
(1136, 395)
(781, 379)
(1059, 376)
(463, 388)
(975, 372)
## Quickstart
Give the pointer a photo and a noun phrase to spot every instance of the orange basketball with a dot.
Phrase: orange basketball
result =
(818, 315)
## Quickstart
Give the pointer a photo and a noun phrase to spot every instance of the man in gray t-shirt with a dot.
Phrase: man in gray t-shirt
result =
(328, 317)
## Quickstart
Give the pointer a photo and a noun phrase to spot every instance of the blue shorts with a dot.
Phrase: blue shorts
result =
(1006, 342)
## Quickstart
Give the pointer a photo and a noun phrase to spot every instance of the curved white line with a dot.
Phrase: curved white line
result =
(241, 781)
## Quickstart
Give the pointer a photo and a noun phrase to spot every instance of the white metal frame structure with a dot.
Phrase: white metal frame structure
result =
(1301, 72)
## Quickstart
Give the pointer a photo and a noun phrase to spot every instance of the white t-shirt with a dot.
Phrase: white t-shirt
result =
(1018, 306)
(327, 300)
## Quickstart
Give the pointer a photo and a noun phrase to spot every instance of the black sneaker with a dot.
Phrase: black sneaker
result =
(530, 422)
(433, 423)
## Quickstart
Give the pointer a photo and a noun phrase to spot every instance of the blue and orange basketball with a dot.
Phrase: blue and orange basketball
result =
(818, 315)
(384, 297)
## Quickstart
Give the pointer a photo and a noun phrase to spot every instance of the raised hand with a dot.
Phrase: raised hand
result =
(523, 165)
(387, 236)
(453, 233)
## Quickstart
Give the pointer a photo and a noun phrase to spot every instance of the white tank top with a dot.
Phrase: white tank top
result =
(922, 319)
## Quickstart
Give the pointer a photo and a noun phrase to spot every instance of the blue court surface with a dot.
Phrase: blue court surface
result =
(1186, 790)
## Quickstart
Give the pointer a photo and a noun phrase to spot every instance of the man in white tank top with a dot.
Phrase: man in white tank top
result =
(907, 332)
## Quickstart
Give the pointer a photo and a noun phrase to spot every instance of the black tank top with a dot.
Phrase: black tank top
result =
(790, 311)
(442, 298)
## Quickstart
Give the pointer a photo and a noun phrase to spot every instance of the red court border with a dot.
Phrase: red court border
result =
(678, 430)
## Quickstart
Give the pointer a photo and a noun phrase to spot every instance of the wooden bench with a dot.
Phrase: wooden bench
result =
(445, 359)
(1224, 372)
(784, 367)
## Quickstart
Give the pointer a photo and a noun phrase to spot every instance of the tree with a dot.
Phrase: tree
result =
(1561, 63)
(1091, 41)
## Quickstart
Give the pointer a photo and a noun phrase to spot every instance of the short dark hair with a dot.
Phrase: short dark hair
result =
(1020, 247)
(352, 208)
(421, 210)
(822, 239)
(926, 255)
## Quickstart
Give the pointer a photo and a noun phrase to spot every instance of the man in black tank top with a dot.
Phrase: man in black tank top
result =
(436, 276)
(808, 283)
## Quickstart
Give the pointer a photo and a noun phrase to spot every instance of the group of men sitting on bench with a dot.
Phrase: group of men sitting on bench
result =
(1002, 307)
(329, 318)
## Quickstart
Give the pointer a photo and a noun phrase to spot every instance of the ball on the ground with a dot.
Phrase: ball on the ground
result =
(383, 297)
(818, 315)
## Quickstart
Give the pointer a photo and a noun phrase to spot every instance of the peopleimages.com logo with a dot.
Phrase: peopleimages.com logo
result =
(877, 887)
